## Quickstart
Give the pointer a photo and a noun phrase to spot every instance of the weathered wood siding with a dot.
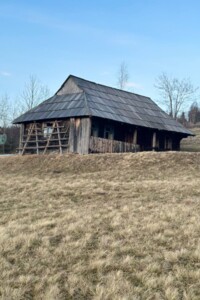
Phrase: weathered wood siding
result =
(79, 135)
(72, 135)
(69, 88)
(100, 145)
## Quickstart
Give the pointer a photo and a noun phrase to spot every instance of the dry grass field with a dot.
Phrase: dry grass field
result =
(118, 226)
(192, 143)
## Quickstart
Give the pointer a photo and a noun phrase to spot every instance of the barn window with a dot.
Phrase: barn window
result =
(109, 132)
(47, 130)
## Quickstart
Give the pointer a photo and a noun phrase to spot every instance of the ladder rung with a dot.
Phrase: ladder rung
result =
(44, 141)
(32, 134)
(43, 147)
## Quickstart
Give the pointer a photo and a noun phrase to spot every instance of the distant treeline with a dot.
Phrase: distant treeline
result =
(192, 118)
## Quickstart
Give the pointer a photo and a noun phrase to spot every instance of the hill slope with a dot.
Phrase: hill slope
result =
(192, 143)
(100, 226)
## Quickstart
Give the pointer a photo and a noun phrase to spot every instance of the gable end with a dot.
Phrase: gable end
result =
(69, 87)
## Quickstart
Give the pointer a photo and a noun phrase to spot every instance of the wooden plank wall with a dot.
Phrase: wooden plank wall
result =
(72, 135)
(79, 135)
(100, 145)
(69, 87)
(83, 135)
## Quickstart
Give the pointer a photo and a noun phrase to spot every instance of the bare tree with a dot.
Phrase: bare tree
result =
(123, 76)
(194, 113)
(4, 111)
(176, 93)
(34, 92)
(182, 119)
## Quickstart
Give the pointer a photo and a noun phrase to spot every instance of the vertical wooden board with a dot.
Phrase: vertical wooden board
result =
(76, 134)
(83, 135)
(79, 129)
(135, 137)
(72, 135)
(101, 146)
(154, 140)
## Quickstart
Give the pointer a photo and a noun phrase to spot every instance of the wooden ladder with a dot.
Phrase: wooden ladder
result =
(58, 138)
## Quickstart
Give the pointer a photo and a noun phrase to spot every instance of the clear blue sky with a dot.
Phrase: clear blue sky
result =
(90, 39)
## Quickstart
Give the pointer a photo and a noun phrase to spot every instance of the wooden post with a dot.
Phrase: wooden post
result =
(59, 138)
(21, 136)
(36, 137)
(72, 135)
(30, 130)
(135, 137)
(170, 143)
(154, 141)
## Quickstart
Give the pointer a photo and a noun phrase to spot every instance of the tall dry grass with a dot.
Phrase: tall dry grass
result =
(121, 226)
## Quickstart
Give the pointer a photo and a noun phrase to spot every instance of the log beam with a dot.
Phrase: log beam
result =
(154, 141)
(135, 137)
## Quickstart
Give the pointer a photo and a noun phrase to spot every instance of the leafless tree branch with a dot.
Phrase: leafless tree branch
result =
(33, 94)
(175, 93)
(4, 111)
(123, 76)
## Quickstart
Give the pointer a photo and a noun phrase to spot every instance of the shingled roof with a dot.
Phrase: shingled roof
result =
(79, 97)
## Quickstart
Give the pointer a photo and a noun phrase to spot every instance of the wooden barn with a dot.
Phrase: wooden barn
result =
(86, 117)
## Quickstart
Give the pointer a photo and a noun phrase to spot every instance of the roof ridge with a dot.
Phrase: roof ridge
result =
(107, 86)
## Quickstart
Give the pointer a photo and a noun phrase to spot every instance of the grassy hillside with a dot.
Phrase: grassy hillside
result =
(120, 226)
(192, 143)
